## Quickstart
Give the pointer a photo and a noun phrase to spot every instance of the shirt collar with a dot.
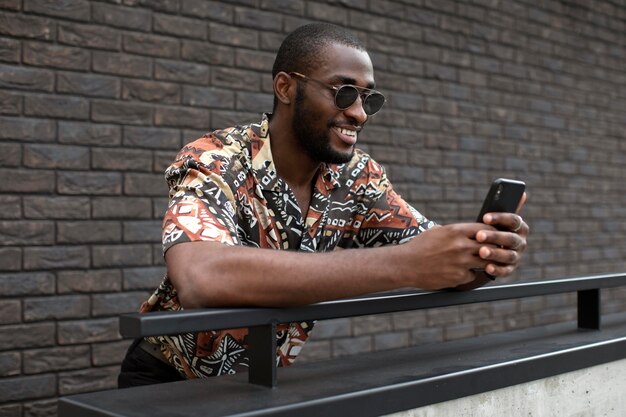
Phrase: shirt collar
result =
(263, 162)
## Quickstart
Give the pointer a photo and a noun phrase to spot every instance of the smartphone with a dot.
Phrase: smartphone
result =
(504, 196)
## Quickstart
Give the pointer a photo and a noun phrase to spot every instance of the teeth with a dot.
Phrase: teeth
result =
(348, 132)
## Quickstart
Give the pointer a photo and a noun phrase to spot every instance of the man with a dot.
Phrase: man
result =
(295, 183)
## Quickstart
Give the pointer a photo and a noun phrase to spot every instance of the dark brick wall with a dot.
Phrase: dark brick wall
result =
(96, 97)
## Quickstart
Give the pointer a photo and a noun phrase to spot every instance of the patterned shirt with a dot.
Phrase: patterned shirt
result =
(224, 188)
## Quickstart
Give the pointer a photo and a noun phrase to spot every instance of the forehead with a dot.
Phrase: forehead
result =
(338, 61)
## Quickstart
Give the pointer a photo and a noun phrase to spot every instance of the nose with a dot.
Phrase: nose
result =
(356, 111)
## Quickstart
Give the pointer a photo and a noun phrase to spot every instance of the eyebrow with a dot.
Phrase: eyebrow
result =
(347, 80)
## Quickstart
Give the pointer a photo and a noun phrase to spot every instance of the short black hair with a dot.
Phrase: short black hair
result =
(301, 49)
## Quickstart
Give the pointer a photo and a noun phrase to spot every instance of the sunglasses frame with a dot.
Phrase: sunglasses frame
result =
(362, 92)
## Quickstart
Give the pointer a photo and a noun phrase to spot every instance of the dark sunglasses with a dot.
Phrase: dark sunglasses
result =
(346, 95)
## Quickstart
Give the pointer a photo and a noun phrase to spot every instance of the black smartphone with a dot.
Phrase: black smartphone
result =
(504, 196)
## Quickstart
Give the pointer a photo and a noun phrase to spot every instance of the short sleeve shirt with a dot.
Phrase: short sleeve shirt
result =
(224, 188)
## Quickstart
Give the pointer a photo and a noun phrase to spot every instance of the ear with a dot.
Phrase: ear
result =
(284, 88)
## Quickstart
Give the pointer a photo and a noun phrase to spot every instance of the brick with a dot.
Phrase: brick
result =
(94, 379)
(121, 159)
(122, 64)
(26, 336)
(30, 181)
(181, 117)
(22, 26)
(181, 71)
(295, 7)
(151, 91)
(10, 364)
(115, 304)
(351, 346)
(42, 54)
(11, 410)
(33, 232)
(44, 408)
(88, 331)
(56, 107)
(157, 255)
(409, 320)
(371, 324)
(90, 281)
(329, 329)
(270, 41)
(58, 307)
(124, 17)
(208, 97)
(329, 13)
(10, 50)
(256, 19)
(27, 387)
(36, 207)
(236, 79)
(315, 350)
(90, 183)
(153, 138)
(22, 78)
(180, 26)
(10, 154)
(23, 283)
(70, 9)
(106, 256)
(162, 160)
(123, 207)
(10, 103)
(142, 231)
(109, 353)
(88, 231)
(222, 119)
(145, 278)
(89, 133)
(212, 10)
(124, 113)
(394, 340)
(255, 102)
(10, 313)
(33, 130)
(207, 53)
(13, 5)
(144, 185)
(88, 85)
(89, 36)
(56, 257)
(163, 5)
(56, 156)
(10, 259)
(233, 36)
(152, 45)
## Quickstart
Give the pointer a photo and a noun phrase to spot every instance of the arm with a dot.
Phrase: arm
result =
(210, 274)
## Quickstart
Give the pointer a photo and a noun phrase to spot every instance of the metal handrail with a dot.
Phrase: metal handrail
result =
(262, 321)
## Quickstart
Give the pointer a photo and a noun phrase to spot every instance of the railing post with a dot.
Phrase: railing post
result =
(589, 309)
(262, 355)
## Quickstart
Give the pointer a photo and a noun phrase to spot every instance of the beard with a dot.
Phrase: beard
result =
(315, 142)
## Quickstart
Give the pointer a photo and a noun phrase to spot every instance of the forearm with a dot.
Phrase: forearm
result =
(242, 276)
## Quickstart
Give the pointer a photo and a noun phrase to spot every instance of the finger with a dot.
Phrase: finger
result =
(507, 240)
(521, 203)
(506, 221)
(499, 270)
(500, 255)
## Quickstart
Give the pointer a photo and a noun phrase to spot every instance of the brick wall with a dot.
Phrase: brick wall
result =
(96, 97)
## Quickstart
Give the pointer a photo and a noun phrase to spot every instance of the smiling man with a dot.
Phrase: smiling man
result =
(258, 215)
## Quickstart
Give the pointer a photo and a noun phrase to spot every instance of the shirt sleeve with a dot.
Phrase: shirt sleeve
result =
(389, 219)
(201, 205)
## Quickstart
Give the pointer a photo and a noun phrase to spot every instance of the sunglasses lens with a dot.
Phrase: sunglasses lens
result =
(373, 103)
(345, 96)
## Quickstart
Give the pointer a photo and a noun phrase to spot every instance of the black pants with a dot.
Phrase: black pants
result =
(141, 368)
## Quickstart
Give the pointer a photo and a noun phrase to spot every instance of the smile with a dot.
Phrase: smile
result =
(348, 136)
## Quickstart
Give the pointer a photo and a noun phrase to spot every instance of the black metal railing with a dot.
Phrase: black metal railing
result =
(262, 321)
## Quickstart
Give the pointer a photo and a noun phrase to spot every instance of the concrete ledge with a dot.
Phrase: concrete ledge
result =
(375, 384)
